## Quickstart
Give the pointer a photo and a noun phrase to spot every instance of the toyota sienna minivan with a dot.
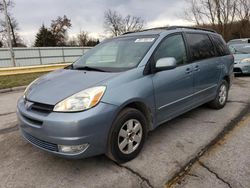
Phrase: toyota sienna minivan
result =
(108, 100)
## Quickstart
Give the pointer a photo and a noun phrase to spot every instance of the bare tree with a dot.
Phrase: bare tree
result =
(243, 13)
(132, 23)
(16, 40)
(192, 13)
(219, 13)
(116, 24)
(59, 28)
(113, 22)
(83, 38)
(13, 27)
(72, 42)
(243, 9)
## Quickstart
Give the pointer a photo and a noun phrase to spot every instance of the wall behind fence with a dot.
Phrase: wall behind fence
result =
(41, 55)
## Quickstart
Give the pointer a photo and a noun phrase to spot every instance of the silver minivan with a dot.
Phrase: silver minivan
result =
(241, 51)
(108, 100)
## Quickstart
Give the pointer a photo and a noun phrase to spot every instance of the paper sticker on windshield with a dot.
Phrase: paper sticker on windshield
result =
(145, 40)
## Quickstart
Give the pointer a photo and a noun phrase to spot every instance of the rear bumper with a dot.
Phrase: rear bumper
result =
(47, 131)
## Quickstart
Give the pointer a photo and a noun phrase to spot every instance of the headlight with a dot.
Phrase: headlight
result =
(27, 88)
(247, 60)
(81, 101)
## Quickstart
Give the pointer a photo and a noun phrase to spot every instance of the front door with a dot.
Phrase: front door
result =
(173, 88)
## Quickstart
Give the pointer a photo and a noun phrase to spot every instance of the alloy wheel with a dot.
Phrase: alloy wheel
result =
(130, 136)
(222, 94)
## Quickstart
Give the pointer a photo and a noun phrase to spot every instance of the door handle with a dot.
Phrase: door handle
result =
(196, 68)
(188, 71)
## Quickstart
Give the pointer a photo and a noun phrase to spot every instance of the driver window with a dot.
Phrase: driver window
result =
(172, 46)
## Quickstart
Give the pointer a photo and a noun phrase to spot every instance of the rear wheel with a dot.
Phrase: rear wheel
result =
(221, 96)
(127, 135)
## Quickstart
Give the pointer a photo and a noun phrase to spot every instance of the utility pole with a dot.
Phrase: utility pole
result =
(8, 33)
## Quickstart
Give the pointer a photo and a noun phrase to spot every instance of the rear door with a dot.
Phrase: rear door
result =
(207, 66)
(172, 87)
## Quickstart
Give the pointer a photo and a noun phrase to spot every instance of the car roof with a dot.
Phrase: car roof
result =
(172, 29)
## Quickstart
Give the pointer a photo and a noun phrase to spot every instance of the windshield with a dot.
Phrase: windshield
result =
(240, 48)
(116, 54)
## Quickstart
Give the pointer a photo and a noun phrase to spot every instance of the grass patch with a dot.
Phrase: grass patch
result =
(18, 80)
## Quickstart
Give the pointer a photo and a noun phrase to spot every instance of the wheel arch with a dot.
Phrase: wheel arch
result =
(135, 104)
(227, 78)
(143, 107)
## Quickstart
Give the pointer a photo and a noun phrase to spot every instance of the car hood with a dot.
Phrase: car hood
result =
(58, 85)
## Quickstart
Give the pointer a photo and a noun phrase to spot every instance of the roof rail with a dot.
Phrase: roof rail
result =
(163, 28)
(172, 28)
(154, 28)
(189, 27)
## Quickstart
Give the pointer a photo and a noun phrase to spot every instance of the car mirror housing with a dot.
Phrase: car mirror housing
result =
(166, 63)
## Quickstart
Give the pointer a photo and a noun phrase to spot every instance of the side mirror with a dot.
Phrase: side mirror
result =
(166, 63)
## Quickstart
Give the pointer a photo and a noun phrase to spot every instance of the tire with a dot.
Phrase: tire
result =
(127, 135)
(221, 96)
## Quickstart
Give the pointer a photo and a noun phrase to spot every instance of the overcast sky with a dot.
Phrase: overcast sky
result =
(87, 15)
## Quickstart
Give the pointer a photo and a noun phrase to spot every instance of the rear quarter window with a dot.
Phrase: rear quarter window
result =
(200, 46)
(220, 45)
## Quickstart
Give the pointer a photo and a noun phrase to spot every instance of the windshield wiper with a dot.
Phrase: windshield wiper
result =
(88, 68)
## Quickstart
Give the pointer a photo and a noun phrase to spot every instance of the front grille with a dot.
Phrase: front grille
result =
(237, 70)
(42, 107)
(40, 143)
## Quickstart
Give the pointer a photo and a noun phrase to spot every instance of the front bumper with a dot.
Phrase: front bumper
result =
(241, 69)
(48, 130)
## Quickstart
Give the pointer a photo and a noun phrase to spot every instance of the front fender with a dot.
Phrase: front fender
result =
(130, 88)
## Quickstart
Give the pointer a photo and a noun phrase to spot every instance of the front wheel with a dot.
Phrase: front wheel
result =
(221, 96)
(127, 135)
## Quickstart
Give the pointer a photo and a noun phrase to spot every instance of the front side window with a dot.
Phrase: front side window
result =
(200, 46)
(172, 46)
(120, 53)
